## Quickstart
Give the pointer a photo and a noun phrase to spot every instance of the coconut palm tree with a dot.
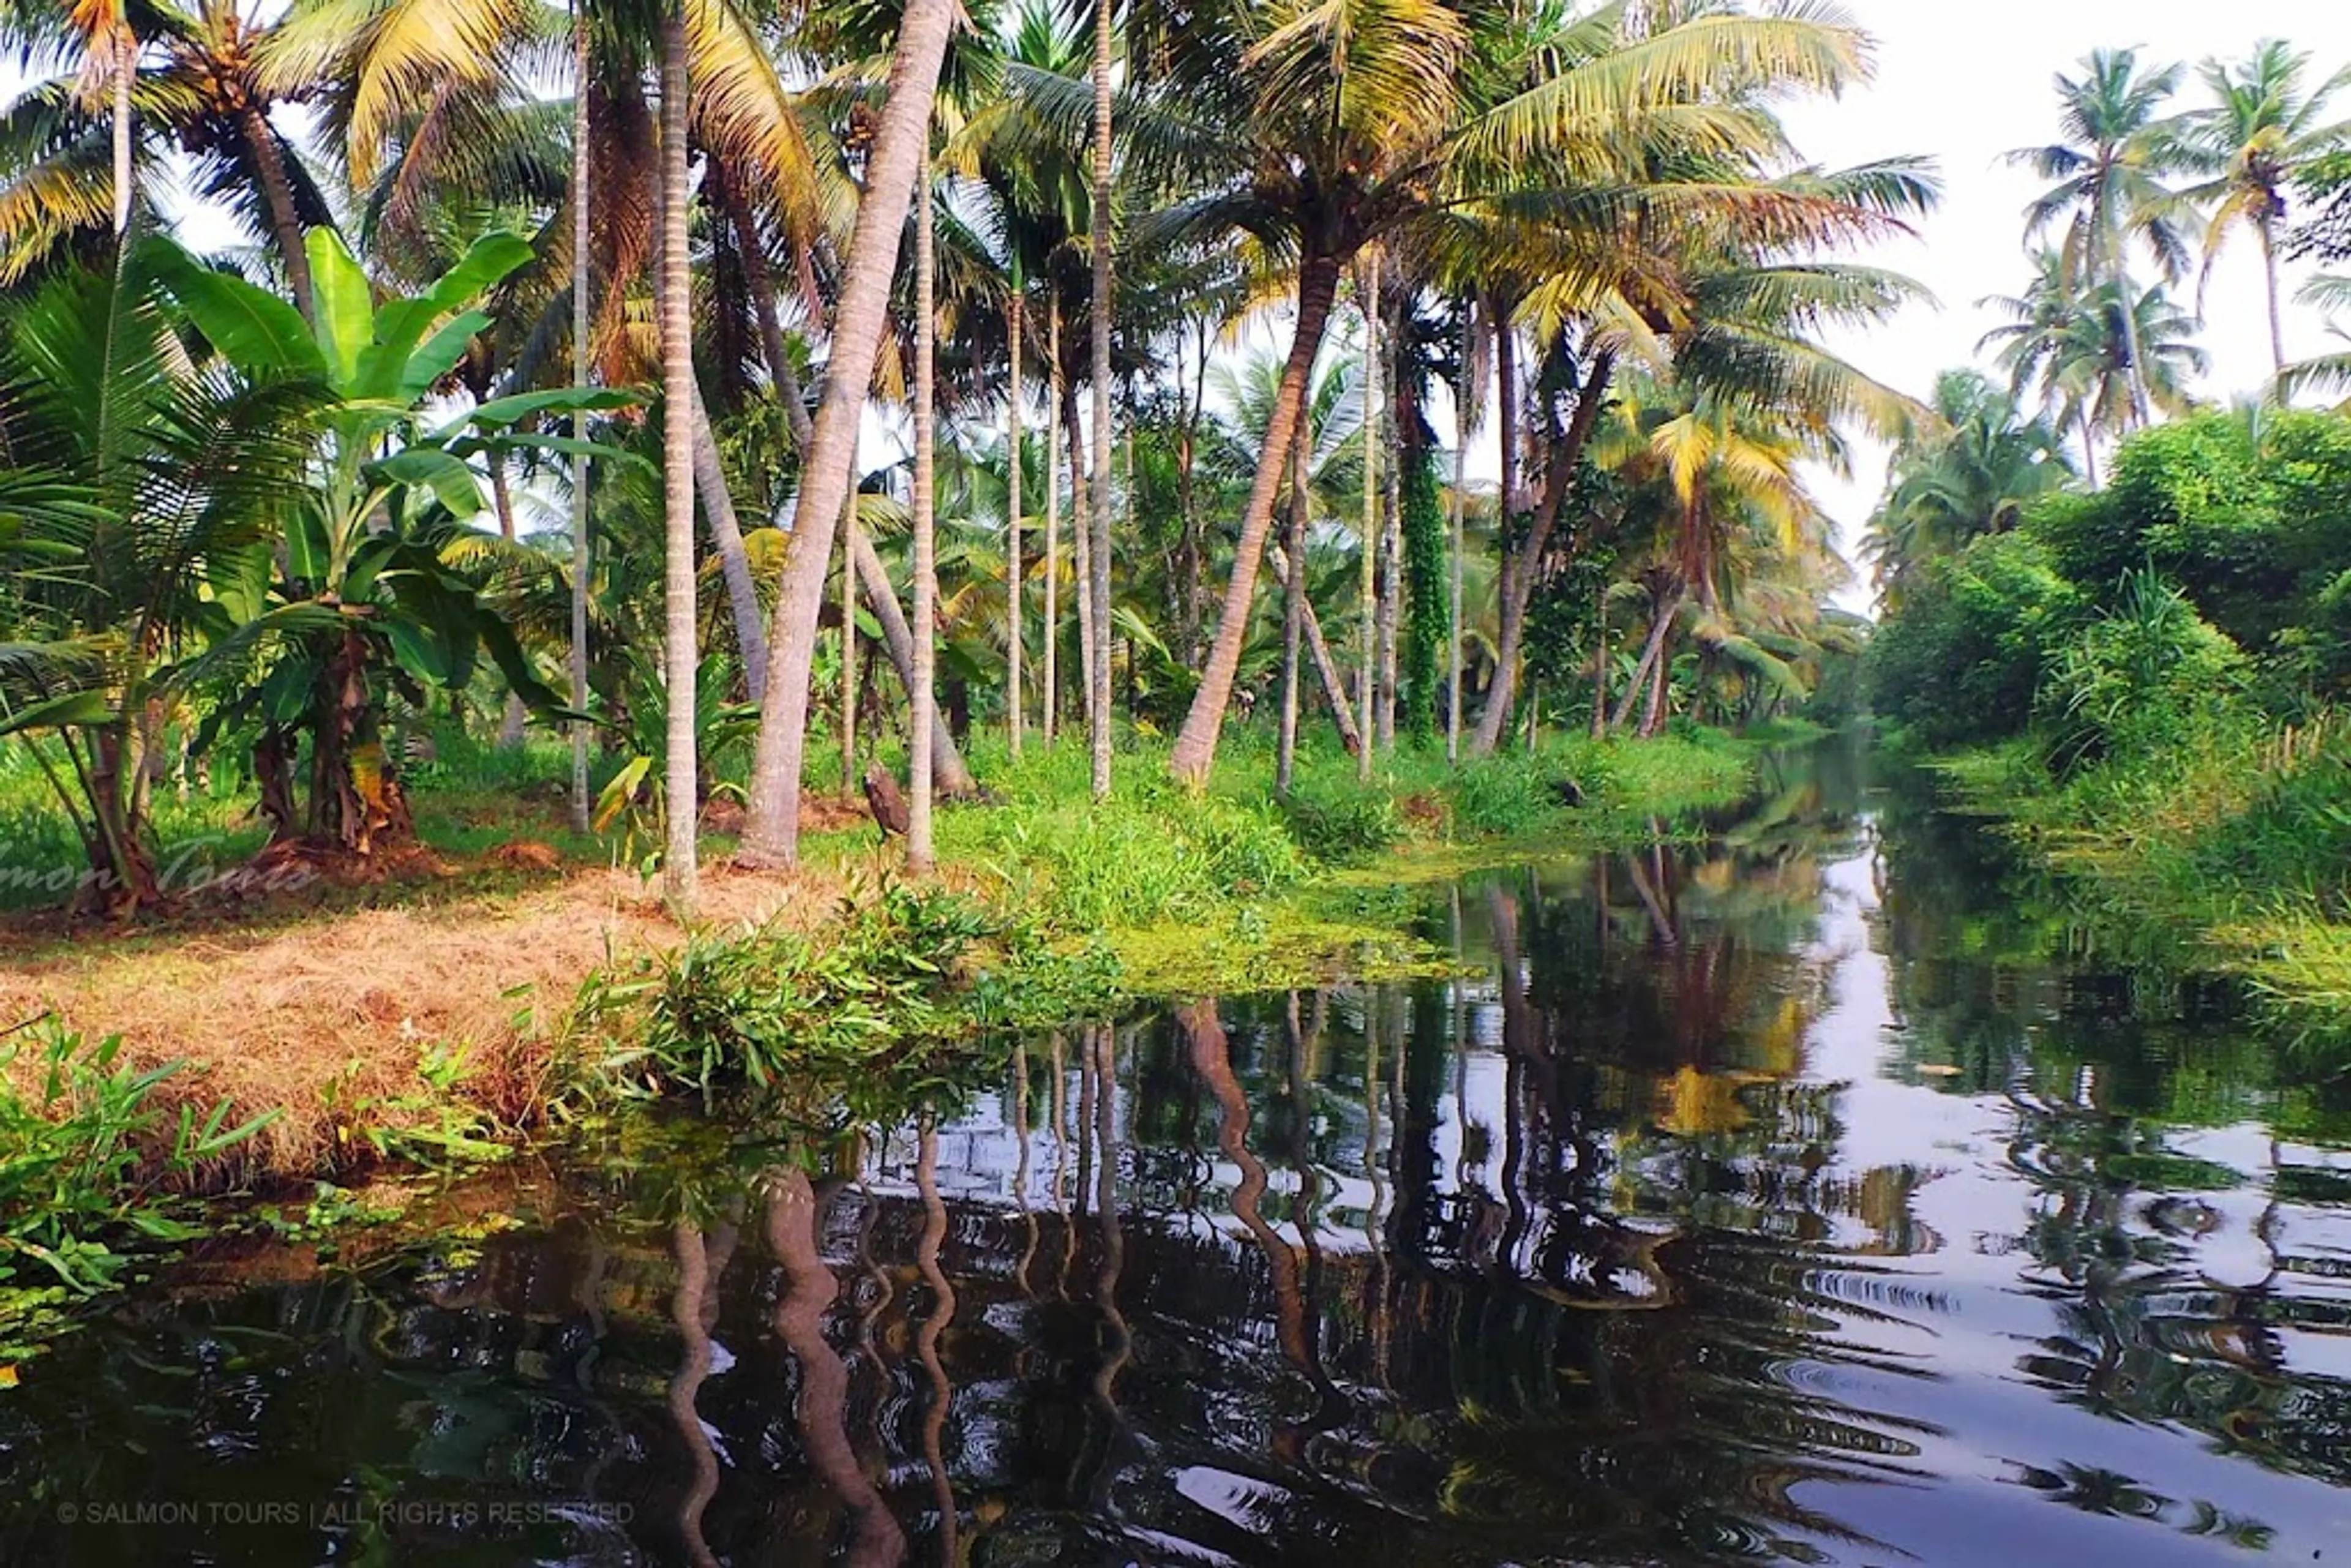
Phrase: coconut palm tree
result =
(2092, 360)
(199, 93)
(1969, 473)
(681, 651)
(771, 833)
(2263, 128)
(2109, 194)
(919, 858)
(1103, 224)
(1321, 129)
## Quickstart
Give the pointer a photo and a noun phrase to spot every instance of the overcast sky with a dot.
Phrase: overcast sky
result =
(1966, 82)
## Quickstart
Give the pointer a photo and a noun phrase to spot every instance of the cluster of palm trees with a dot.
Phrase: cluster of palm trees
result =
(719, 240)
(2100, 345)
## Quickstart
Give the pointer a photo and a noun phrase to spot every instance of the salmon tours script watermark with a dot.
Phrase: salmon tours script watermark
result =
(193, 867)
(338, 1513)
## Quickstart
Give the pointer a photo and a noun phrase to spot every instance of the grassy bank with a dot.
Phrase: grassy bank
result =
(2232, 843)
(506, 974)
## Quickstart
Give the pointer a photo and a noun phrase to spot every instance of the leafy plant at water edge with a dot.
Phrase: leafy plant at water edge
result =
(86, 1159)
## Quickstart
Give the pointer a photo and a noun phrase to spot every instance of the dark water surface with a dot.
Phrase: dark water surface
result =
(1810, 1194)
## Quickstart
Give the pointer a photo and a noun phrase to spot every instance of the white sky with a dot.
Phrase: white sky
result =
(1966, 82)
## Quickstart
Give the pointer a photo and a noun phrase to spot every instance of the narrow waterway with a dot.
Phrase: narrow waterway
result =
(1810, 1190)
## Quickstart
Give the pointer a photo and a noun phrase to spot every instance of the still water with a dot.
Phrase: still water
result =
(1813, 1192)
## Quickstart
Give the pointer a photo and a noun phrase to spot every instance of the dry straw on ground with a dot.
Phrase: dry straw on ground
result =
(331, 1012)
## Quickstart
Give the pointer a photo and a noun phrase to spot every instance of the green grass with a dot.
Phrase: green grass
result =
(2233, 838)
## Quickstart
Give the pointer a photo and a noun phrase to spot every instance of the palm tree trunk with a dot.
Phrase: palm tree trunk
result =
(1326, 667)
(2277, 317)
(1195, 744)
(1391, 602)
(771, 835)
(1458, 541)
(1102, 221)
(278, 193)
(1653, 716)
(677, 473)
(1518, 578)
(727, 539)
(512, 723)
(2089, 449)
(125, 71)
(1012, 519)
(1650, 651)
(919, 859)
(948, 772)
(1600, 664)
(1052, 674)
(1083, 550)
(849, 541)
(1367, 586)
(580, 803)
(1293, 621)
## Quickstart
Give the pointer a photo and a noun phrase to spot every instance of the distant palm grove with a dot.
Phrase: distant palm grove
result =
(746, 391)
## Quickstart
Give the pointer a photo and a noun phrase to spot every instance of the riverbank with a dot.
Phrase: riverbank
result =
(452, 983)
(2230, 851)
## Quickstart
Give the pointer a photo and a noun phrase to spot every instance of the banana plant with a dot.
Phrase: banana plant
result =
(361, 595)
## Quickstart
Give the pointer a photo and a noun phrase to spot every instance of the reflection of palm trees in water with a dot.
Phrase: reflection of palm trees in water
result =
(695, 1309)
(822, 1416)
(926, 1340)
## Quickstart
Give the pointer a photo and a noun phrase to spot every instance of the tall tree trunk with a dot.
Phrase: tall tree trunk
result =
(1294, 620)
(1012, 520)
(2089, 448)
(1081, 551)
(919, 858)
(277, 194)
(1367, 587)
(1326, 667)
(1661, 627)
(771, 835)
(726, 540)
(1518, 578)
(2277, 316)
(1051, 516)
(760, 283)
(947, 769)
(849, 541)
(1053, 671)
(1195, 744)
(684, 813)
(1187, 514)
(1653, 716)
(124, 71)
(580, 801)
(511, 726)
(1103, 224)
(1391, 598)
(1457, 542)
(1600, 664)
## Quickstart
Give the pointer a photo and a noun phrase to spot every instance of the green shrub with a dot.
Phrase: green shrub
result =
(902, 970)
(1337, 821)
(2148, 676)
(88, 1161)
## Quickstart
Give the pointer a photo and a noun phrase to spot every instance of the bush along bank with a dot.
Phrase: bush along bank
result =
(1052, 908)
(2144, 683)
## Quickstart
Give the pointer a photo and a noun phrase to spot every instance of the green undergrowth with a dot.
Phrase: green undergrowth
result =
(2232, 840)
(1054, 907)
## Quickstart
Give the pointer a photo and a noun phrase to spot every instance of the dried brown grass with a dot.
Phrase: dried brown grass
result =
(325, 1017)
